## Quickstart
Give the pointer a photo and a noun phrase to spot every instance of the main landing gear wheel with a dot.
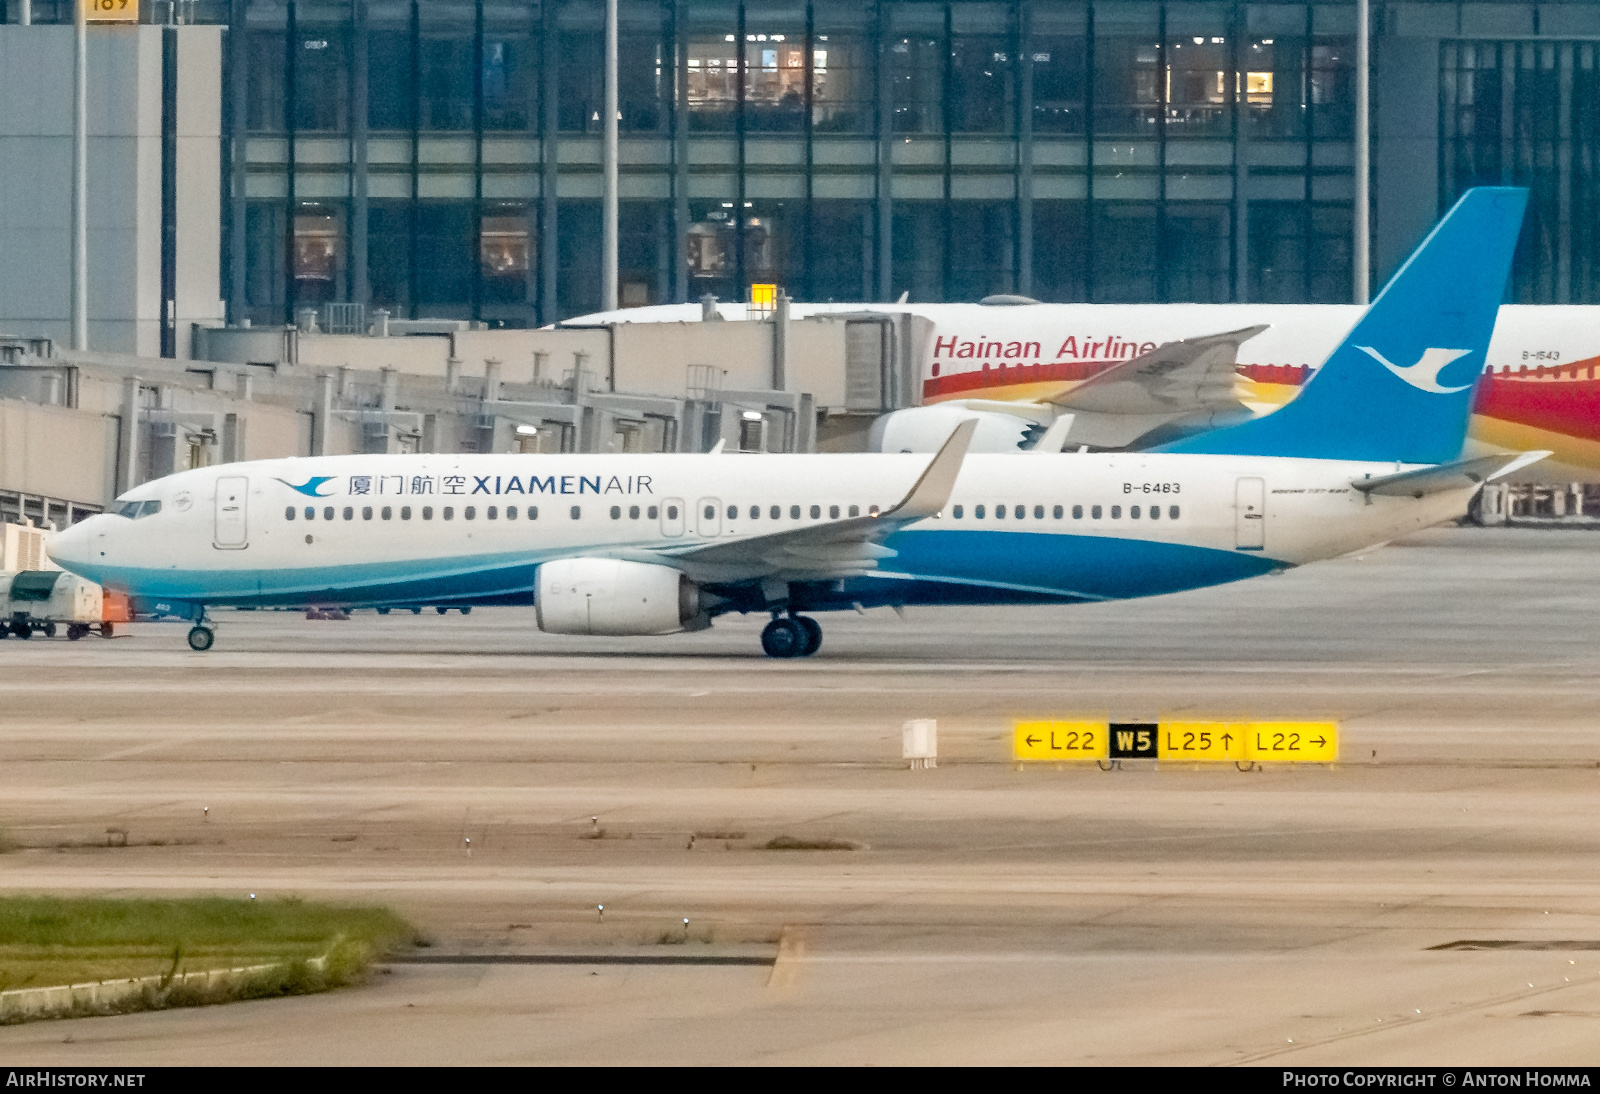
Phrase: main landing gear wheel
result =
(813, 631)
(784, 638)
(201, 638)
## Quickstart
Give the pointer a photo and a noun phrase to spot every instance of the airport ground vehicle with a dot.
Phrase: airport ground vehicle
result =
(45, 601)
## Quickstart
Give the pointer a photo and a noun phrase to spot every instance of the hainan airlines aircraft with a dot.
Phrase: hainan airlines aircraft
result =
(1132, 376)
(652, 544)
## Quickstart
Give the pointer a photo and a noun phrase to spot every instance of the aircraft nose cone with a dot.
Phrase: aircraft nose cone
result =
(71, 547)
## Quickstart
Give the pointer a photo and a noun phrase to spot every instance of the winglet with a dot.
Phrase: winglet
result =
(928, 497)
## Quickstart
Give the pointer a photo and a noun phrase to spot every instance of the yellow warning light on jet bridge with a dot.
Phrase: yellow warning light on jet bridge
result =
(111, 11)
(763, 299)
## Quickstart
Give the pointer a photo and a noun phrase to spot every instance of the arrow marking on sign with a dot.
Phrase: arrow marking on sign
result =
(1030, 741)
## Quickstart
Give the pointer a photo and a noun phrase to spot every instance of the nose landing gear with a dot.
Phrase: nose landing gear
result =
(797, 636)
(201, 637)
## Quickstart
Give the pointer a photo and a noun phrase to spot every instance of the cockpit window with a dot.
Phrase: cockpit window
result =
(133, 510)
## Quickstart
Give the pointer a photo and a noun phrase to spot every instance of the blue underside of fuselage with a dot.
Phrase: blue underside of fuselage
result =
(931, 567)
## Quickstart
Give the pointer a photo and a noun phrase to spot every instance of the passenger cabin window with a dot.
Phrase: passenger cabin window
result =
(816, 512)
(1172, 512)
(349, 512)
(1059, 512)
(616, 512)
(1116, 512)
(511, 512)
(1155, 512)
(427, 512)
(957, 512)
(855, 510)
(775, 512)
(733, 512)
(1020, 512)
(833, 512)
(533, 512)
(672, 512)
(405, 512)
(977, 512)
(794, 512)
(1095, 512)
(311, 513)
(470, 512)
(493, 512)
(388, 512)
(755, 512)
(327, 513)
(449, 512)
(577, 512)
(1133, 512)
(711, 512)
(366, 512)
(633, 512)
(651, 512)
(1038, 512)
(1077, 512)
(288, 514)
(999, 512)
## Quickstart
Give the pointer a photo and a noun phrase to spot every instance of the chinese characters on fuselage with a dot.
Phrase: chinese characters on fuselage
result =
(389, 485)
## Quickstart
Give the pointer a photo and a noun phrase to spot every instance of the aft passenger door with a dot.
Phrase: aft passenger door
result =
(1250, 514)
(232, 527)
(672, 516)
(708, 517)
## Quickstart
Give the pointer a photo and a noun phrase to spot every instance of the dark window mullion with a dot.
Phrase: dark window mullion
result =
(291, 55)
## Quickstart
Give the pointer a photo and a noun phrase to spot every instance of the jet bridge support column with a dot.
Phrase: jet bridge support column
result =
(128, 437)
(322, 415)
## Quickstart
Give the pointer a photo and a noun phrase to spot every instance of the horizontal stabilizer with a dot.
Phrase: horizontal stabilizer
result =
(1459, 475)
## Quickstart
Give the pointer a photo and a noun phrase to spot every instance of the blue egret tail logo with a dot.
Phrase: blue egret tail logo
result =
(1424, 375)
(311, 488)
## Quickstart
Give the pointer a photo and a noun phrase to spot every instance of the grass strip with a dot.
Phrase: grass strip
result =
(153, 954)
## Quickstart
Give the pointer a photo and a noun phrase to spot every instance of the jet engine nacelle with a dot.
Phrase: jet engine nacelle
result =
(614, 597)
(926, 428)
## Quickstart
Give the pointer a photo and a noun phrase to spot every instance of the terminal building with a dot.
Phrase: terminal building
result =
(441, 158)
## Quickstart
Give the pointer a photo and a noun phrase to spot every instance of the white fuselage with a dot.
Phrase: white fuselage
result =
(439, 528)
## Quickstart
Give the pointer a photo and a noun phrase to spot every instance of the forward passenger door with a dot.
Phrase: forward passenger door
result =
(232, 530)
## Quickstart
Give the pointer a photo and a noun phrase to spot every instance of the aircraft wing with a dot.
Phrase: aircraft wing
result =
(840, 548)
(1196, 374)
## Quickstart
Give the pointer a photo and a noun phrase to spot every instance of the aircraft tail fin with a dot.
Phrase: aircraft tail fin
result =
(1399, 387)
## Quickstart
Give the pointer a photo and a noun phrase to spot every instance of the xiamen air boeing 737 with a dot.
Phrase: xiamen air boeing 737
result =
(653, 544)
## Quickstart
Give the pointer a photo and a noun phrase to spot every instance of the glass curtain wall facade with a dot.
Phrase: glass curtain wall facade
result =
(442, 157)
(1527, 113)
